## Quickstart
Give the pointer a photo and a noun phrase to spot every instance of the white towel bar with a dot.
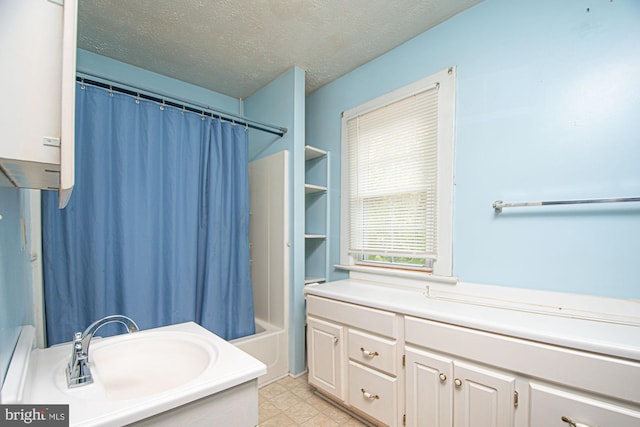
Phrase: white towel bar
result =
(498, 205)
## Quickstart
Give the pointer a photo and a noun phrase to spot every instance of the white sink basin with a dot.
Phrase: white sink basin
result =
(138, 375)
(142, 364)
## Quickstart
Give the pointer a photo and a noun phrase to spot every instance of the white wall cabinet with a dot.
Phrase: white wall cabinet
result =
(37, 81)
(453, 376)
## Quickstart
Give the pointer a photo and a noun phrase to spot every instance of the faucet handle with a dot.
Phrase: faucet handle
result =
(77, 343)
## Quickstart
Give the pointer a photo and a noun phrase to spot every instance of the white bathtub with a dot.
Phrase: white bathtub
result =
(270, 346)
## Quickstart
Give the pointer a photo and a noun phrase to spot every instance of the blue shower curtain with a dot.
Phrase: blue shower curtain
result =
(157, 227)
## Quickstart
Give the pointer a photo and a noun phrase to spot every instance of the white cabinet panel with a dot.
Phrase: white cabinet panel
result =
(446, 392)
(482, 397)
(38, 45)
(550, 405)
(429, 391)
(325, 357)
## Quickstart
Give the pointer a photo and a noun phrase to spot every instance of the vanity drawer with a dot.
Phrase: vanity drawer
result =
(373, 351)
(549, 405)
(373, 393)
(382, 322)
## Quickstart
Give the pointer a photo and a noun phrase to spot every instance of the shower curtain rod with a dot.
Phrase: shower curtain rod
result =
(194, 107)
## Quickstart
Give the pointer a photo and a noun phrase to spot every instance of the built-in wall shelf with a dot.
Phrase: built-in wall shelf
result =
(311, 188)
(311, 153)
(315, 236)
(316, 190)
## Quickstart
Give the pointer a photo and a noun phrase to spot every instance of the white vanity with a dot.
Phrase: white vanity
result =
(173, 375)
(398, 356)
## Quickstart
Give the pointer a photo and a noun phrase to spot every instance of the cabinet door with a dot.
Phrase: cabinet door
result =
(429, 398)
(325, 356)
(482, 398)
(38, 45)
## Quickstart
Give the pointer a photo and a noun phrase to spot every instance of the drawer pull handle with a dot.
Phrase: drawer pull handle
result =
(457, 382)
(443, 377)
(369, 395)
(571, 423)
(368, 353)
(335, 340)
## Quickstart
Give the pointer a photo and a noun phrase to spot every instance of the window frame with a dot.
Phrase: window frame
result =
(446, 80)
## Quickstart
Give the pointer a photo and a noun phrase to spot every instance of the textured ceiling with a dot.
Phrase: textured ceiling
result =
(235, 47)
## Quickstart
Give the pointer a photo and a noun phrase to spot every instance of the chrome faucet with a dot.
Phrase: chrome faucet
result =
(78, 372)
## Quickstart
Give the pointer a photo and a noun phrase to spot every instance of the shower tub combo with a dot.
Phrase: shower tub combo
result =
(270, 346)
(269, 242)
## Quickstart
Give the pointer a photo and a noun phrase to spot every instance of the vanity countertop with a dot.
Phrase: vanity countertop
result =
(607, 338)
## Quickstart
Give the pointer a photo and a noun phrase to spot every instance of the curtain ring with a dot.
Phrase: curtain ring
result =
(82, 86)
(110, 90)
(162, 105)
(183, 110)
(137, 98)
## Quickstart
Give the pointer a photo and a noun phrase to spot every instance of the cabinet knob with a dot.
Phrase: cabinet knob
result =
(457, 382)
(368, 353)
(443, 377)
(335, 340)
(368, 395)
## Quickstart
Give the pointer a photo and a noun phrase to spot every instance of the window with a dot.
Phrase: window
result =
(397, 178)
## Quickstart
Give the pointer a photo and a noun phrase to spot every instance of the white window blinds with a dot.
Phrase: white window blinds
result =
(392, 167)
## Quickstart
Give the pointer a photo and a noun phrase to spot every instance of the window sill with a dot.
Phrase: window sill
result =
(396, 276)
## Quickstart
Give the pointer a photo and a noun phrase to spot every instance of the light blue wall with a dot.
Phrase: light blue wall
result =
(15, 290)
(116, 71)
(548, 101)
(282, 103)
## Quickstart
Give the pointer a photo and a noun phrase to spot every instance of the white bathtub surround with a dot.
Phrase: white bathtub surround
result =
(270, 247)
(270, 345)
(219, 387)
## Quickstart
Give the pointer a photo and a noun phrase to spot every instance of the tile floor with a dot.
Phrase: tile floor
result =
(292, 402)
